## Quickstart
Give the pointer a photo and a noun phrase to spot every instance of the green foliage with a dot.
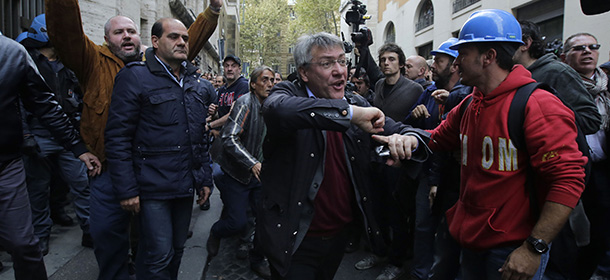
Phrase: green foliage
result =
(314, 16)
(263, 30)
(269, 28)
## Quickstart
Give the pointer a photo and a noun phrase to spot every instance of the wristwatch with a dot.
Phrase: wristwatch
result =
(538, 245)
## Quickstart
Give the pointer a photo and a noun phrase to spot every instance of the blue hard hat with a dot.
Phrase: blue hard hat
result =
(490, 26)
(444, 48)
(21, 36)
(38, 29)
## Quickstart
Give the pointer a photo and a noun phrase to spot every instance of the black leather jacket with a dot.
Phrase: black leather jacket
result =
(65, 87)
(242, 138)
(19, 78)
(293, 168)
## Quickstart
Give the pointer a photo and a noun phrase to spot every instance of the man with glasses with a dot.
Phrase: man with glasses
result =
(581, 52)
(316, 169)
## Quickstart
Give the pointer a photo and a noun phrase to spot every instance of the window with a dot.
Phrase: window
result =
(424, 50)
(16, 15)
(390, 33)
(426, 16)
(459, 5)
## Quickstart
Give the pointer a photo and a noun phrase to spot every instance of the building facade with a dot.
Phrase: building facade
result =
(419, 26)
(18, 14)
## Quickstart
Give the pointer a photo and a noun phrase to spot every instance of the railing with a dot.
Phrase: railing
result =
(424, 21)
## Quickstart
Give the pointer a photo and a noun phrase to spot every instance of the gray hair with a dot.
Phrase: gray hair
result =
(302, 50)
(257, 72)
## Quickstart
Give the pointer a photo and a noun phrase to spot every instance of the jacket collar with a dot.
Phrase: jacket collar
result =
(155, 66)
(105, 51)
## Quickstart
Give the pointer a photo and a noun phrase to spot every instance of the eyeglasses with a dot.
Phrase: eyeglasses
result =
(327, 64)
(592, 47)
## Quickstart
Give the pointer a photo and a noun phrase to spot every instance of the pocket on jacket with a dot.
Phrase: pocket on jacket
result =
(474, 226)
(165, 108)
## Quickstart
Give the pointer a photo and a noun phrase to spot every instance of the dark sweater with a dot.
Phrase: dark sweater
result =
(397, 102)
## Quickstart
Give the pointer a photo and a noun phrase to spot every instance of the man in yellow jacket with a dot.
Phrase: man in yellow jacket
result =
(96, 66)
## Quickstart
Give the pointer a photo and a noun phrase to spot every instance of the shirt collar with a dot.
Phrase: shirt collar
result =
(167, 69)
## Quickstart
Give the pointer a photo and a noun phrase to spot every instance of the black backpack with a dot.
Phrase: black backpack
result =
(516, 118)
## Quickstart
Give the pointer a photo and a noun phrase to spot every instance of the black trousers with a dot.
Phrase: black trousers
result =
(316, 258)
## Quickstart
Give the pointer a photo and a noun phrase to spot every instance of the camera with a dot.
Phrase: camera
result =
(354, 18)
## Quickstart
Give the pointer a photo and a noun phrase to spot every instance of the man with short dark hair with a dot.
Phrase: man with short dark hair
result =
(156, 146)
(548, 69)
(95, 67)
(492, 220)
(316, 169)
(395, 95)
(581, 52)
(235, 87)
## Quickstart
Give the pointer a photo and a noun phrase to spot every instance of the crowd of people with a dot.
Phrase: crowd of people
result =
(486, 162)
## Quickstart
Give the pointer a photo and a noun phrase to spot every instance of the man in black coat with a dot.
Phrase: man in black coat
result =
(316, 170)
(20, 79)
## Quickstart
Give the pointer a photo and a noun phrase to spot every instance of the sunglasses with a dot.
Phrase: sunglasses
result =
(592, 47)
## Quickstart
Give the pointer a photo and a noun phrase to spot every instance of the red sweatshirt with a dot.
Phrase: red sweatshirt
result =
(493, 209)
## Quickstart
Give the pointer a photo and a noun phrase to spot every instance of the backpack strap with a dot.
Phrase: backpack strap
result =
(516, 114)
(516, 119)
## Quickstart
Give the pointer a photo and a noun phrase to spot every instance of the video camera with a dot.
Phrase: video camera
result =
(354, 18)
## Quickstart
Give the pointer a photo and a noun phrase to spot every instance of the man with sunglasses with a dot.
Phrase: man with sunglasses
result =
(581, 52)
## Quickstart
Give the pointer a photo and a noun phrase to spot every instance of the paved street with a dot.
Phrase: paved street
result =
(68, 260)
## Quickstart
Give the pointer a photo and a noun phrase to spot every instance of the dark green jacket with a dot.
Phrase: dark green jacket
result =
(570, 88)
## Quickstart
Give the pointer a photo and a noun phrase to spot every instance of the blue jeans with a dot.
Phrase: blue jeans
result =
(484, 265)
(237, 199)
(109, 229)
(164, 226)
(446, 254)
(16, 230)
(425, 228)
(39, 172)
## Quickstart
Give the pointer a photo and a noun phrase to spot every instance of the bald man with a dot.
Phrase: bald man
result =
(416, 68)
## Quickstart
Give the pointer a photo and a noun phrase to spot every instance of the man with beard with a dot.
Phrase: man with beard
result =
(156, 146)
(427, 114)
(494, 217)
(95, 67)
(581, 52)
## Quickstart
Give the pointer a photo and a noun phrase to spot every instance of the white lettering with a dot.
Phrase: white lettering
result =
(488, 153)
(464, 139)
(507, 156)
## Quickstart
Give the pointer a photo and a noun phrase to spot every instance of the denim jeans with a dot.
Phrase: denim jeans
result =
(164, 226)
(39, 170)
(109, 229)
(16, 231)
(485, 265)
(237, 199)
(446, 254)
(425, 228)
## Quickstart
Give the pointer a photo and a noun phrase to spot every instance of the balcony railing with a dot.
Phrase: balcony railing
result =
(424, 21)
